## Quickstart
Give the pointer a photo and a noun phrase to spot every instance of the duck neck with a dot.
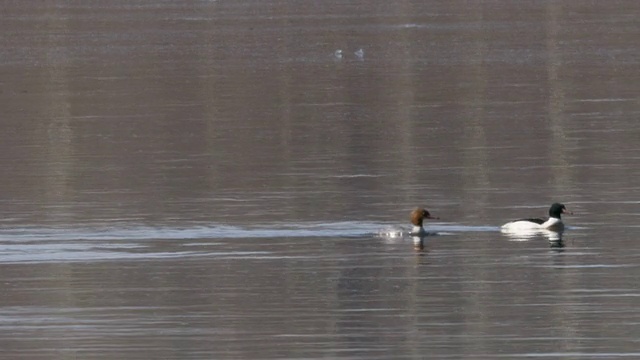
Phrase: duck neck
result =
(552, 222)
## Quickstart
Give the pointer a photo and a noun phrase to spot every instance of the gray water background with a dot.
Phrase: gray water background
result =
(207, 179)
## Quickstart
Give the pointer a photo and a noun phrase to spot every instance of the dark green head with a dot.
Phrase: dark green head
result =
(556, 210)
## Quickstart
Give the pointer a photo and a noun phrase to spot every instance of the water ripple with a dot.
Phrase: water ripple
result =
(335, 229)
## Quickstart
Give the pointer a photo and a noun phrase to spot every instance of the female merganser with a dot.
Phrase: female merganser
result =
(553, 223)
(417, 216)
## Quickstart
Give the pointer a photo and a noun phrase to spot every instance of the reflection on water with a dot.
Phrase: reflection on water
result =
(220, 179)
(553, 237)
(523, 235)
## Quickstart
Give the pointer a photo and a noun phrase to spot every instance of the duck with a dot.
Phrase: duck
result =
(417, 217)
(553, 223)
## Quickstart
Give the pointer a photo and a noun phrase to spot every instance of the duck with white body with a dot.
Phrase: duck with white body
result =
(553, 223)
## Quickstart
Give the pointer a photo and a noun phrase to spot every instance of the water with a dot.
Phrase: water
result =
(209, 179)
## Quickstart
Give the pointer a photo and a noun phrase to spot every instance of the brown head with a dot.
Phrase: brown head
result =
(420, 214)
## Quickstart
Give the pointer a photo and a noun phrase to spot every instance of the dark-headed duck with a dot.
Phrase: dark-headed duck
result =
(554, 221)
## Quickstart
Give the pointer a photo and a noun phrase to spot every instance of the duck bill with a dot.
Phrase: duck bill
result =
(432, 217)
(565, 211)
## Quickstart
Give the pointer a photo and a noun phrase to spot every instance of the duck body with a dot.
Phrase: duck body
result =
(534, 224)
(553, 222)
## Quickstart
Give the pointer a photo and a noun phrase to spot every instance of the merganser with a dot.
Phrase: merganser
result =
(553, 223)
(417, 216)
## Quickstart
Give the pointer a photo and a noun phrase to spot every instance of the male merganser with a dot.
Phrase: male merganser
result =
(553, 223)
(417, 216)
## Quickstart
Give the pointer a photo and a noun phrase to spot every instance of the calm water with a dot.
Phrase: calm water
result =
(207, 179)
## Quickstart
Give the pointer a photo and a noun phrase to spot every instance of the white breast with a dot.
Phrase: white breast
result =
(417, 231)
(553, 224)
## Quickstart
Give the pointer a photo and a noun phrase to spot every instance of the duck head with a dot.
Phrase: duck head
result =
(418, 215)
(556, 210)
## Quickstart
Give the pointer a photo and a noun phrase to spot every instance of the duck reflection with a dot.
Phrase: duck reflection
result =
(554, 237)
(418, 242)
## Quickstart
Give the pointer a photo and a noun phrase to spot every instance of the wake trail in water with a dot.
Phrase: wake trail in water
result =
(334, 229)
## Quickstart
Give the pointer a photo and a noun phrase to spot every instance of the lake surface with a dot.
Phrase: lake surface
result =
(210, 179)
